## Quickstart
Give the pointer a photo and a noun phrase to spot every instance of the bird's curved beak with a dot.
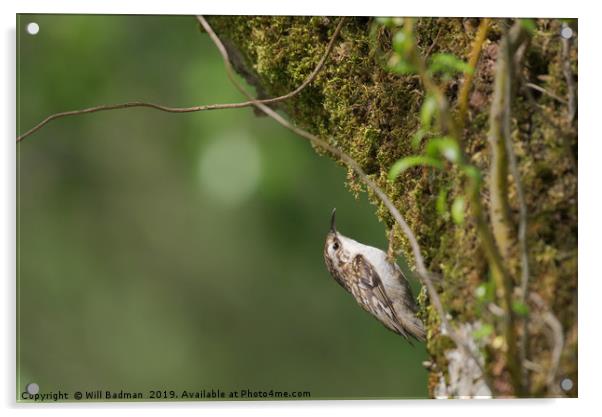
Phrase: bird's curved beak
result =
(332, 221)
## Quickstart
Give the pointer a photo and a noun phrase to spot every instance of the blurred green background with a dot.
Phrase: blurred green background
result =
(166, 251)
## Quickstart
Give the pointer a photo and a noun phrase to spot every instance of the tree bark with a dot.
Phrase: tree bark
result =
(372, 114)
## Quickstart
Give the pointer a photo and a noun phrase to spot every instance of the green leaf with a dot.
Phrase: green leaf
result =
(528, 24)
(398, 21)
(457, 210)
(417, 138)
(448, 64)
(446, 146)
(441, 203)
(481, 291)
(401, 42)
(472, 172)
(385, 21)
(567, 19)
(427, 111)
(412, 161)
(482, 332)
(399, 65)
(520, 308)
(485, 292)
(390, 22)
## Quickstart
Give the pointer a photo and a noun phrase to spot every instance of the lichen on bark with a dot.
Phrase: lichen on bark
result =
(372, 114)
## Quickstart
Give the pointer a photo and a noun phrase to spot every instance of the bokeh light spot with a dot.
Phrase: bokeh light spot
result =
(230, 168)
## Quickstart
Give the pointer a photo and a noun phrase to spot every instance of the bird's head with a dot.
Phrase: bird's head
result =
(334, 250)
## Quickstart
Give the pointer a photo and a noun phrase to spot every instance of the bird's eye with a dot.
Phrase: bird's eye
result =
(335, 246)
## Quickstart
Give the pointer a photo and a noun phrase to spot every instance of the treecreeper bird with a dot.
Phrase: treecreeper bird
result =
(377, 283)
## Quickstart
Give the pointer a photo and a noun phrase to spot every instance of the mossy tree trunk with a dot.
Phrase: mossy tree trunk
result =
(372, 114)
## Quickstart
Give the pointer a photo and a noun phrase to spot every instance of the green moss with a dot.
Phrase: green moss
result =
(372, 114)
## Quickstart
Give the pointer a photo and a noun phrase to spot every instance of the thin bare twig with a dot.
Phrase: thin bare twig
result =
(523, 248)
(557, 345)
(522, 204)
(502, 157)
(192, 109)
(561, 132)
(499, 121)
(546, 92)
(434, 43)
(421, 270)
(556, 340)
(568, 75)
(473, 60)
(127, 105)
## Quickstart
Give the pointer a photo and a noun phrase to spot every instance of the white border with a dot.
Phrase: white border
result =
(463, 8)
(590, 212)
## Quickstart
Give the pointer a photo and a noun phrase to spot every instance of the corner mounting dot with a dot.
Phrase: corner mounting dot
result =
(566, 384)
(32, 28)
(32, 388)
(566, 32)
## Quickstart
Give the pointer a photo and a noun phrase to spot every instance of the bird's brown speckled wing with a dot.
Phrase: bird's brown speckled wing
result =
(368, 290)
(335, 274)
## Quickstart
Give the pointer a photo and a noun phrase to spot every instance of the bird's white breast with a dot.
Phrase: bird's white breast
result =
(376, 257)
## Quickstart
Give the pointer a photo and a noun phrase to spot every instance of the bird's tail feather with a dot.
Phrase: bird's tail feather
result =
(414, 327)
